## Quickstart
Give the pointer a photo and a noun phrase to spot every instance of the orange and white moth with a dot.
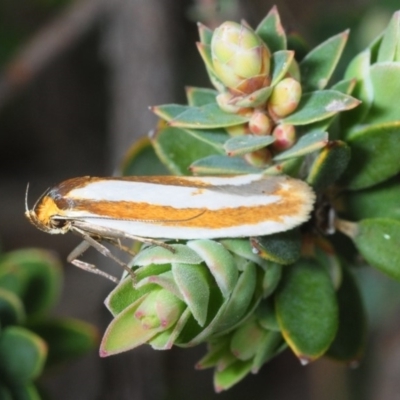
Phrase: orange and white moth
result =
(168, 207)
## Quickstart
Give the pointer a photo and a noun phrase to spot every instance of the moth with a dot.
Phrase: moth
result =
(158, 208)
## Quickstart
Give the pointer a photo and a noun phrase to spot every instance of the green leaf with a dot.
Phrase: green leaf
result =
(178, 253)
(272, 277)
(243, 348)
(380, 201)
(141, 159)
(26, 392)
(240, 299)
(271, 31)
(290, 167)
(329, 165)
(35, 276)
(257, 98)
(385, 79)
(282, 248)
(124, 294)
(231, 375)
(306, 144)
(208, 116)
(272, 345)
(243, 144)
(389, 49)
(359, 69)
(319, 105)
(213, 137)
(350, 339)
(266, 316)
(198, 97)
(12, 311)
(205, 33)
(22, 355)
(318, 65)
(178, 150)
(378, 242)
(374, 155)
(66, 339)
(168, 112)
(281, 61)
(307, 309)
(243, 249)
(219, 261)
(193, 284)
(217, 165)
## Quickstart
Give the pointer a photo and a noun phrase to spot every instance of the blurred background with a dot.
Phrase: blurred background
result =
(76, 80)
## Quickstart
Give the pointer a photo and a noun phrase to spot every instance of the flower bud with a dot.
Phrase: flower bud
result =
(260, 124)
(285, 136)
(240, 58)
(284, 98)
(160, 309)
(237, 130)
(259, 158)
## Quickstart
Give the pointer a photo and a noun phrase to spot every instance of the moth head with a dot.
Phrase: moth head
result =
(46, 216)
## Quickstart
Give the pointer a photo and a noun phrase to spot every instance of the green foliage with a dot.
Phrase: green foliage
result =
(31, 341)
(292, 289)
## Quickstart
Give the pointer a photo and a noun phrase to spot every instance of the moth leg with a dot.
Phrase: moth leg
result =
(151, 241)
(79, 250)
(117, 243)
(103, 250)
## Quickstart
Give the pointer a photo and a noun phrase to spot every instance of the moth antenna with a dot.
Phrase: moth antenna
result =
(26, 199)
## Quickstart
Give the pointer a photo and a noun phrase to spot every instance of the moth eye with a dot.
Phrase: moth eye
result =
(58, 223)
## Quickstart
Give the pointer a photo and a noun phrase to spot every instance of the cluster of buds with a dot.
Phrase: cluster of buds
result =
(240, 63)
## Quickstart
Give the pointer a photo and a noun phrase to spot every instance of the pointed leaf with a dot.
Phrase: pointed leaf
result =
(290, 167)
(256, 99)
(242, 248)
(193, 285)
(374, 155)
(225, 379)
(213, 137)
(22, 355)
(307, 309)
(269, 348)
(271, 31)
(390, 45)
(197, 96)
(208, 116)
(350, 339)
(178, 150)
(272, 277)
(219, 261)
(240, 299)
(266, 316)
(329, 165)
(243, 348)
(205, 33)
(168, 112)
(306, 144)
(318, 65)
(217, 165)
(159, 255)
(281, 61)
(318, 105)
(243, 144)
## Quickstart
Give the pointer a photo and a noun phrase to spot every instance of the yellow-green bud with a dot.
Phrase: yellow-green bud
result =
(259, 158)
(285, 136)
(237, 130)
(239, 55)
(284, 98)
(260, 123)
